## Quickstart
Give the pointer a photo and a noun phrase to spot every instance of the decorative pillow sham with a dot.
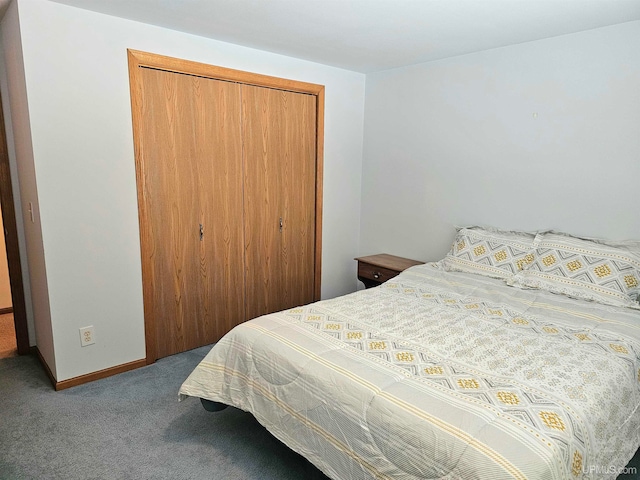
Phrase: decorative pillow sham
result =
(490, 252)
(590, 269)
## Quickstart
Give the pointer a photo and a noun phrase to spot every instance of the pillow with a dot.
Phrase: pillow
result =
(590, 269)
(490, 252)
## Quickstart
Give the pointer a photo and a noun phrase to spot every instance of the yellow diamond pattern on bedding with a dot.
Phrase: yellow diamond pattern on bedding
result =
(490, 252)
(439, 374)
(584, 269)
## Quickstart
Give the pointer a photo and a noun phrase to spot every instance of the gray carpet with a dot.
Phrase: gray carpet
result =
(131, 426)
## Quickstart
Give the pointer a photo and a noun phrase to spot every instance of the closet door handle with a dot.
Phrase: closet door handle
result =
(201, 232)
(280, 224)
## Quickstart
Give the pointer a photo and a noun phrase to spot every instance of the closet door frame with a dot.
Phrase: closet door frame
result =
(137, 60)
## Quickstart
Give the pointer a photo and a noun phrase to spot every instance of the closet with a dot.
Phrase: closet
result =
(229, 170)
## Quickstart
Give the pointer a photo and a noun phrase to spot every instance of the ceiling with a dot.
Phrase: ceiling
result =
(372, 35)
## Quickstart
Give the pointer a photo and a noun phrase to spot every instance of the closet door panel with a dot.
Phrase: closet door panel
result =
(221, 261)
(279, 181)
(191, 153)
(262, 200)
(299, 199)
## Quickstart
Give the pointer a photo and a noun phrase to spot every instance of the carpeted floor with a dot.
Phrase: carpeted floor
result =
(8, 346)
(131, 426)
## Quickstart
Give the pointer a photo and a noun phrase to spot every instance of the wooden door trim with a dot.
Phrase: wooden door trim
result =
(12, 247)
(138, 59)
(319, 179)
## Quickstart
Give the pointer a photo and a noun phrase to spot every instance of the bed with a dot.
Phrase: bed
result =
(517, 356)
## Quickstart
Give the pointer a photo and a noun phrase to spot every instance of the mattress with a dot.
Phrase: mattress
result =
(439, 374)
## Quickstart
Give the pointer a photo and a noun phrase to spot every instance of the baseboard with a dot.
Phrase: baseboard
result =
(89, 377)
(4, 311)
(107, 372)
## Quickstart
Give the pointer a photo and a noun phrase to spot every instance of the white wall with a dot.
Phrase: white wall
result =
(539, 135)
(18, 131)
(75, 66)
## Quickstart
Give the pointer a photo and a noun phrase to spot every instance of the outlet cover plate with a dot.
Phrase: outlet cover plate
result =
(87, 336)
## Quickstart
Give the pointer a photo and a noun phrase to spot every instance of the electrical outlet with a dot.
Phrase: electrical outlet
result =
(87, 336)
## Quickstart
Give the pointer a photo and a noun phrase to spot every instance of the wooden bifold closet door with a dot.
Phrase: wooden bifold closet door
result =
(228, 189)
(193, 194)
(279, 198)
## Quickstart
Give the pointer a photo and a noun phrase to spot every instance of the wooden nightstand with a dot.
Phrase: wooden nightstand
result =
(376, 269)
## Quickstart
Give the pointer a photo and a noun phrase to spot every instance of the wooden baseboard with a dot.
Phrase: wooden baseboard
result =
(4, 311)
(107, 372)
(89, 377)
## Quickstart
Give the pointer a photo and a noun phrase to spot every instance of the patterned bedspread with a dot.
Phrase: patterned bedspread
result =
(439, 374)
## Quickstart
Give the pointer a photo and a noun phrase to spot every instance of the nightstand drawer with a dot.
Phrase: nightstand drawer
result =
(373, 272)
(376, 269)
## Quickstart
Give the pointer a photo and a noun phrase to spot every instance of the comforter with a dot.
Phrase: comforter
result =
(439, 374)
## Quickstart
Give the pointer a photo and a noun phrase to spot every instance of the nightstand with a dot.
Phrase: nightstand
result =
(376, 269)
